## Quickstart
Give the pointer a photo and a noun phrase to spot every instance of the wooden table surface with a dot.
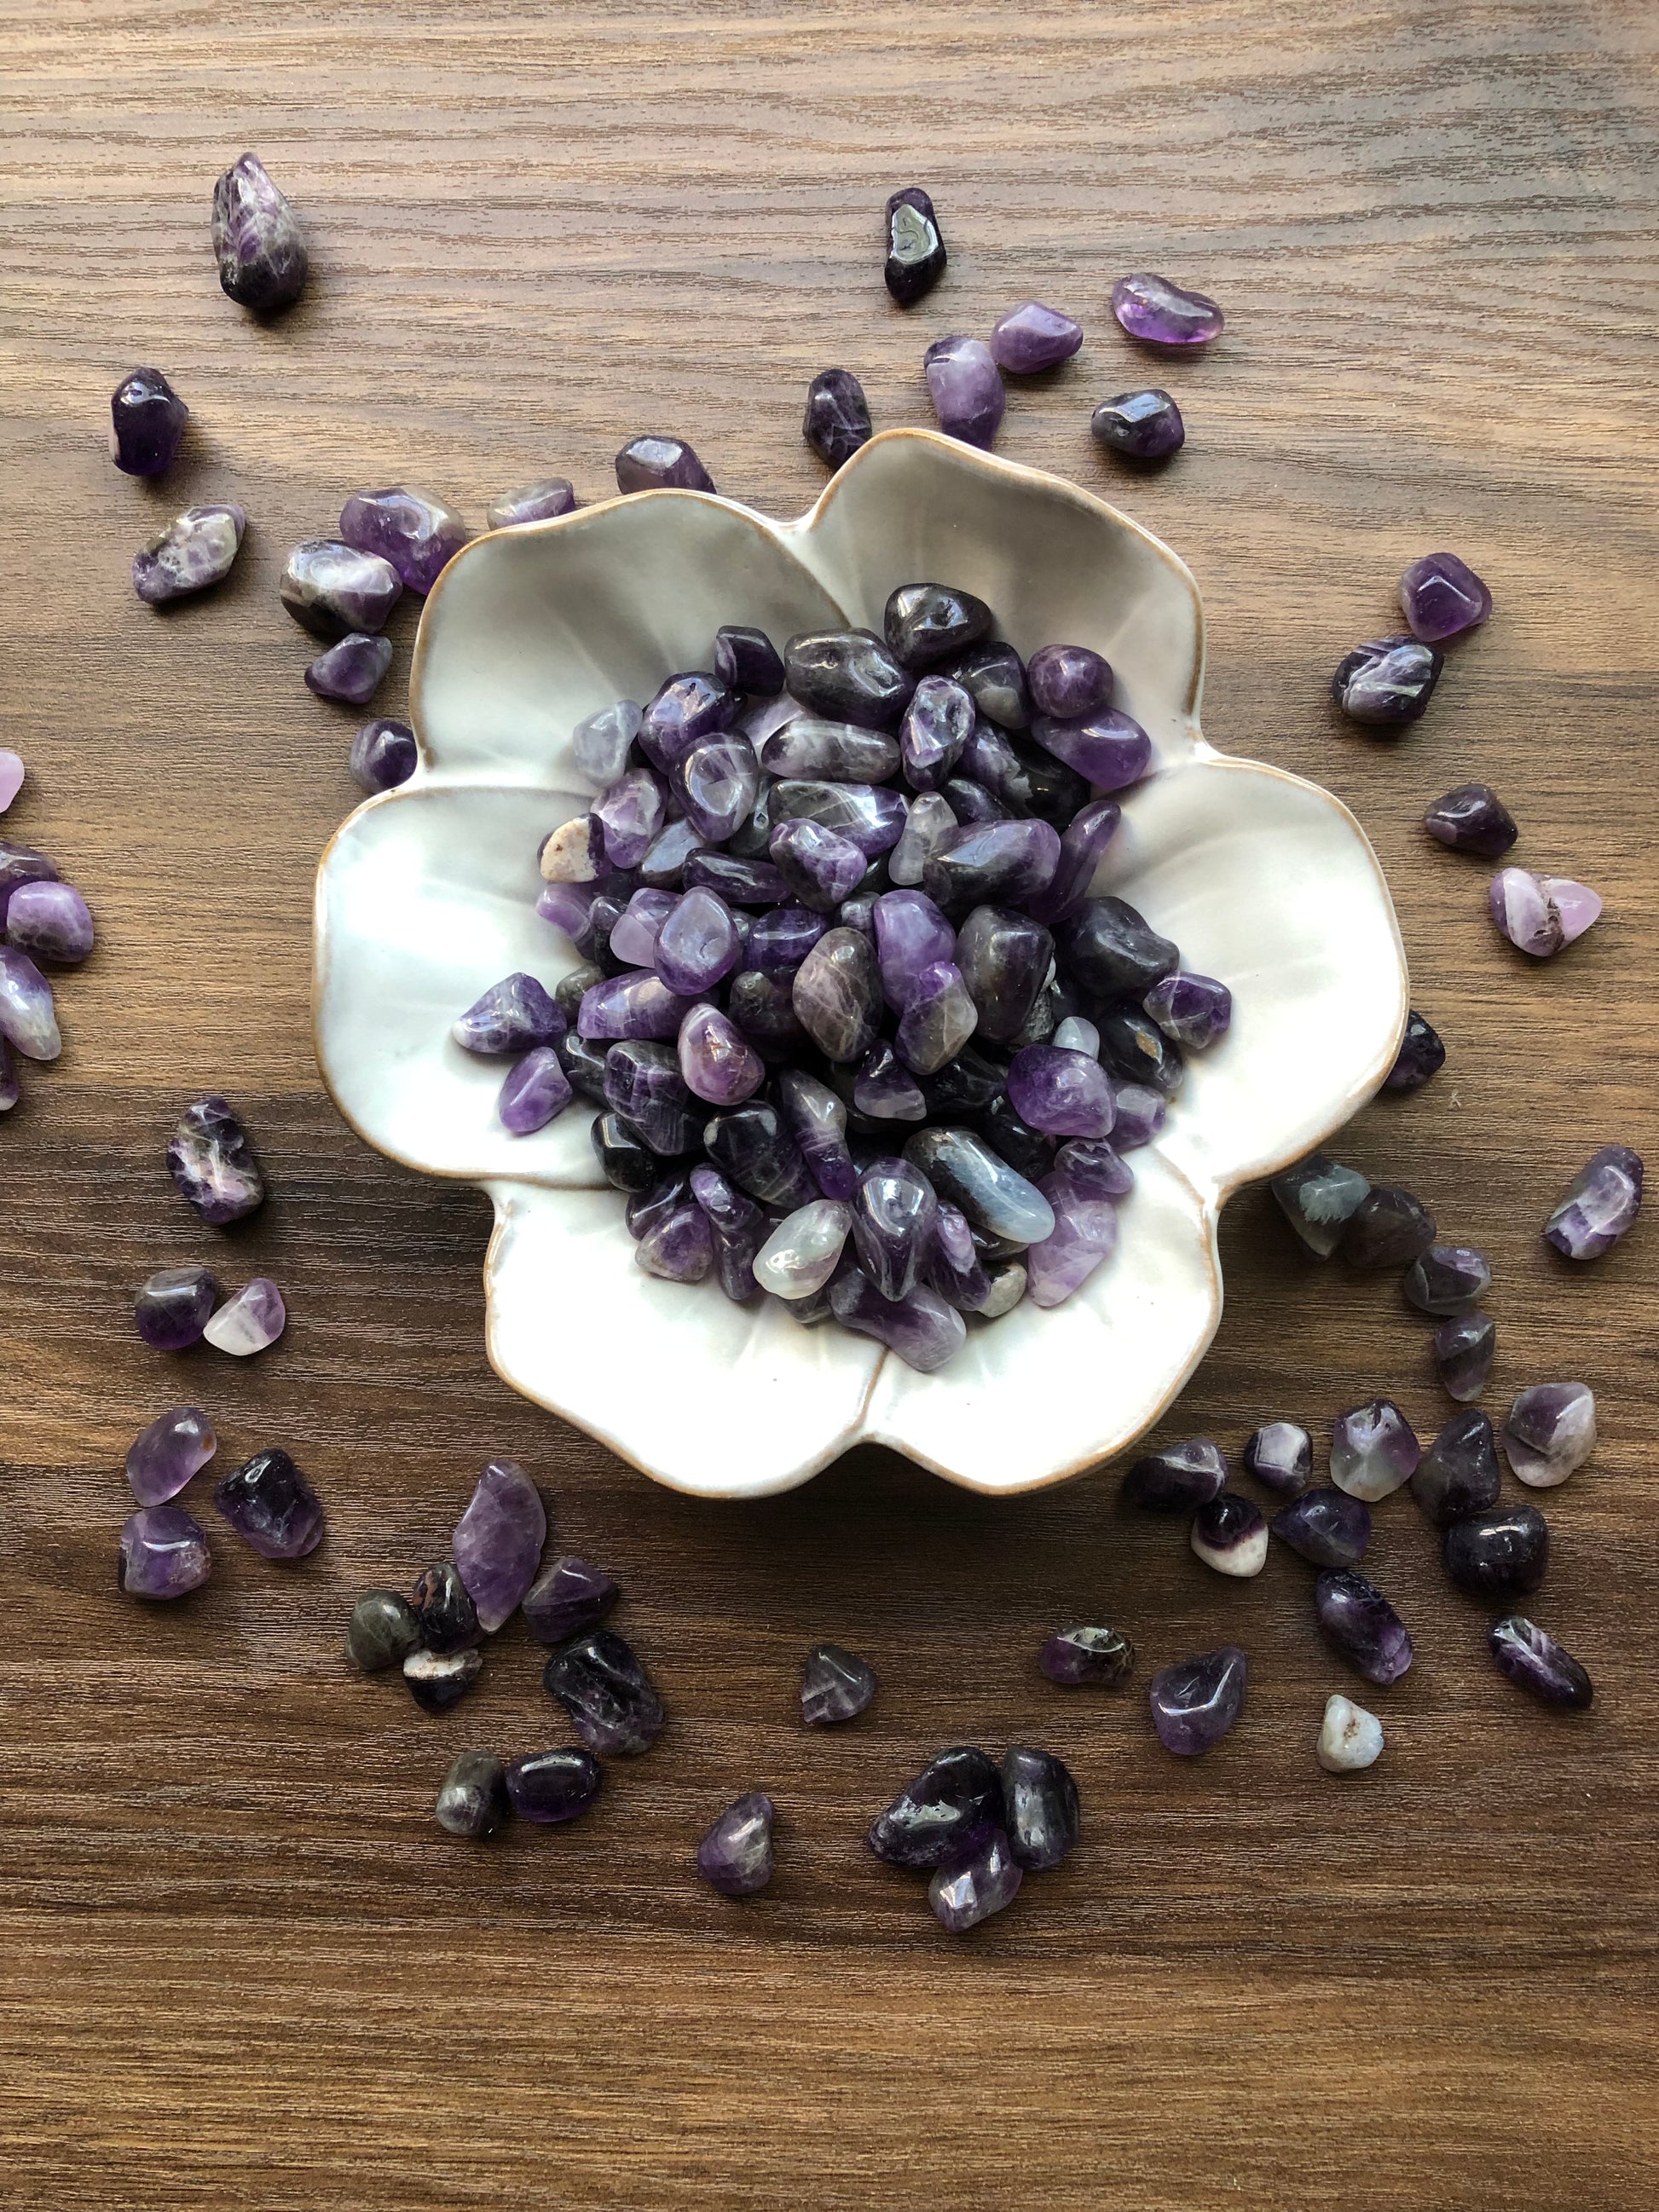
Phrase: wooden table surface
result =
(239, 1965)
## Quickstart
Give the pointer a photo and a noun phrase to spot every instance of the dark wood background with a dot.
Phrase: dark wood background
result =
(238, 1963)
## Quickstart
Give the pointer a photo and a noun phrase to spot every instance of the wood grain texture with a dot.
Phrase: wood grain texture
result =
(238, 1965)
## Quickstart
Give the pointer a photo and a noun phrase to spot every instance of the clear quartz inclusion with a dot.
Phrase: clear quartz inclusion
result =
(1317, 1197)
(836, 1685)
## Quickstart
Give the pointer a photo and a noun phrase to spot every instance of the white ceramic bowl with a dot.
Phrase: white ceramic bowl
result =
(427, 896)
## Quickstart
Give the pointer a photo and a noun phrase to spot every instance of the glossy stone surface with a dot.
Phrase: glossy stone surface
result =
(162, 1458)
(1068, 680)
(805, 1249)
(515, 1015)
(28, 1019)
(249, 1322)
(1599, 1205)
(836, 994)
(1110, 948)
(982, 1878)
(1141, 1113)
(1108, 747)
(752, 1145)
(1535, 1663)
(147, 424)
(1082, 841)
(211, 1162)
(997, 1200)
(1441, 597)
(916, 249)
(991, 862)
(20, 865)
(1063, 1094)
(1463, 1349)
(1473, 818)
(679, 1248)
(781, 940)
(418, 534)
(444, 1608)
(1040, 1799)
(1374, 1450)
(1498, 1554)
(1541, 915)
(1459, 1472)
(50, 921)
(472, 1799)
(994, 677)
(540, 501)
(807, 747)
(172, 1306)
(163, 1553)
(334, 591)
(1386, 682)
(384, 754)
(630, 814)
(1318, 1197)
(634, 1007)
(382, 1633)
(1358, 1622)
(717, 1064)
(1196, 1701)
(1077, 1655)
(1144, 425)
(498, 1542)
(1178, 1478)
(939, 1811)
(1422, 1054)
(1448, 1279)
(1549, 1432)
(655, 462)
(683, 710)
(270, 1503)
(820, 866)
(1135, 1050)
(550, 1786)
(847, 676)
(870, 816)
(1280, 1454)
(912, 936)
(938, 723)
(1326, 1527)
(716, 782)
(837, 418)
(350, 670)
(195, 550)
(257, 239)
(534, 1091)
(438, 1680)
(611, 1700)
(643, 1084)
(920, 1327)
(835, 1685)
(1389, 1228)
(1229, 1534)
(816, 1120)
(735, 1855)
(1156, 312)
(568, 1596)
(965, 386)
(893, 1214)
(1194, 1010)
(11, 777)
(928, 625)
(1349, 1738)
(1032, 337)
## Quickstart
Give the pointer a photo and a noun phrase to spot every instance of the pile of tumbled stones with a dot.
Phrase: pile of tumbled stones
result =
(41, 919)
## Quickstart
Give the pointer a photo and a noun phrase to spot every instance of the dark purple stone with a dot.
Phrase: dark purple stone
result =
(541, 501)
(417, 534)
(1177, 1479)
(1388, 1228)
(269, 1503)
(746, 660)
(1498, 1554)
(951, 1265)
(443, 1606)
(350, 670)
(982, 1878)
(438, 1680)
(568, 1596)
(50, 921)
(611, 1700)
(894, 1213)
(1599, 1205)
(1280, 1454)
(163, 1554)
(1441, 597)
(643, 1084)
(498, 1542)
(1068, 680)
(716, 782)
(174, 1305)
(686, 709)
(1421, 1054)
(818, 1121)
(1032, 337)
(836, 994)
(1083, 841)
(257, 239)
(1111, 949)
(836, 1685)
(1107, 748)
(1157, 313)
(637, 1005)
(1389, 681)
(965, 386)
(1325, 1526)
(751, 1147)
(1194, 1010)
(334, 591)
(1041, 1804)
(912, 936)
(147, 424)
(915, 250)
(384, 754)
(928, 624)
(937, 724)
(762, 1007)
(1318, 1197)
(1357, 1621)
(939, 1811)
(1075, 1655)
(781, 939)
(211, 1162)
(1535, 1663)
(549, 1786)
(1448, 1279)
(735, 1855)
(1463, 1350)
(920, 1327)
(1064, 1094)
(655, 462)
(1145, 425)
(884, 1089)
(1005, 958)
(195, 551)
(473, 1800)
(837, 419)
(1196, 1701)
(994, 677)
(847, 676)
(1473, 818)
(1136, 1051)
(646, 1209)
(739, 882)
(820, 865)
(991, 862)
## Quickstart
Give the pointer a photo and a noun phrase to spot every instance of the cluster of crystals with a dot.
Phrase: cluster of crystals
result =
(860, 1036)
(163, 1552)
(976, 1830)
(41, 919)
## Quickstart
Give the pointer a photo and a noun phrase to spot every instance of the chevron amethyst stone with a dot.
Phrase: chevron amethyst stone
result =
(211, 1162)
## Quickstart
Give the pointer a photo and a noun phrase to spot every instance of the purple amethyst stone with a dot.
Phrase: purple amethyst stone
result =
(915, 250)
(418, 534)
(1145, 426)
(350, 670)
(1326, 1527)
(1422, 1054)
(653, 463)
(515, 1015)
(1033, 338)
(1075, 1655)
(173, 1307)
(1599, 1205)
(1441, 596)
(1196, 1701)
(257, 239)
(1157, 313)
(1389, 681)
(1178, 1478)
(498, 1542)
(1280, 1454)
(565, 1599)
(1068, 680)
(735, 1855)
(195, 550)
(1194, 1010)
(541, 501)
(939, 1812)
(1107, 748)
(835, 1685)
(550, 1786)
(1464, 1347)
(163, 1554)
(1041, 1801)
(51, 922)
(1535, 1663)
(162, 1459)
(611, 1700)
(384, 754)
(334, 591)
(965, 388)
(1357, 1621)
(210, 1160)
(147, 424)
(269, 1503)
(1473, 818)
(837, 420)
(983, 1878)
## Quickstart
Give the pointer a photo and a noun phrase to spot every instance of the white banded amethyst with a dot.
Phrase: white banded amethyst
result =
(350, 670)
(1541, 915)
(257, 239)
(162, 1458)
(1074, 1034)
(601, 742)
(806, 747)
(515, 1015)
(1386, 682)
(1085, 1236)
(821, 867)
(683, 710)
(212, 1163)
(1499, 1552)
(271, 1502)
(1141, 1113)
(835, 1685)
(1549, 1432)
(1458, 1474)
(1039, 1800)
(568, 1596)
(534, 1091)
(163, 1553)
(870, 816)
(653, 462)
(837, 418)
(551, 1786)
(1229, 1534)
(939, 1811)
(20, 865)
(1144, 425)
(938, 723)
(603, 1685)
(805, 1249)
(1162, 314)
(1473, 818)
(1082, 841)
(994, 677)
(172, 1306)
(147, 424)
(982, 1878)
(1448, 1279)
(382, 1630)
(250, 1321)
(643, 1084)
(965, 386)
(1441, 597)
(1422, 1054)
(195, 550)
(929, 624)
(678, 1248)
(836, 994)
(498, 1542)
(1326, 1527)
(1358, 1622)
(893, 1214)
(716, 782)
(735, 1855)
(1078, 1655)
(1177, 1478)
(384, 754)
(473, 1800)
(919, 1326)
(1374, 1450)
(883, 1090)
(633, 1006)
(28, 1019)
(986, 863)
(996, 1200)
(1349, 1738)
(335, 591)
(951, 1264)
(818, 1121)
(50, 921)
(438, 1680)
(542, 501)
(1599, 1205)
(1195, 1701)
(630, 813)
(1535, 1663)
(1464, 1345)
(418, 534)
(1194, 1010)
(1280, 1454)
(938, 1019)
(443, 1606)
(575, 853)
(753, 1146)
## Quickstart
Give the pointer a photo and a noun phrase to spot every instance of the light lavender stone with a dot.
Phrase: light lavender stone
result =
(716, 1062)
(600, 743)
(1374, 1450)
(928, 823)
(919, 1326)
(163, 1553)
(805, 1249)
(633, 934)
(51, 922)
(27, 1017)
(1550, 1431)
(498, 1542)
(535, 1091)
(250, 1321)
(541, 501)
(162, 1459)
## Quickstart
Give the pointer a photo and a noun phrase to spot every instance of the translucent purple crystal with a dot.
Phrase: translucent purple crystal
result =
(611, 1700)
(162, 1459)
(940, 1810)
(685, 710)
(257, 238)
(444, 1608)
(50, 921)
(835, 1685)
(1550, 1431)
(1032, 337)
(1083, 1236)
(982, 1878)
(334, 591)
(1083, 841)
(1068, 680)
(1374, 1450)
(1473, 818)
(716, 782)
(20, 865)
(1229, 1534)
(966, 389)
(1448, 1279)
(417, 533)
(1499, 1552)
(884, 1089)
(635, 1006)
(269, 1502)
(1145, 425)
(1357, 1621)
(1599, 1205)
(350, 670)
(1041, 1801)
(1194, 1010)
(820, 865)
(541, 501)
(11, 777)
(1064, 1094)
(1326, 1527)
(163, 1554)
(568, 1596)
(1389, 1228)
(534, 1090)
(498, 1542)
(1540, 914)
(1108, 747)
(836, 994)
(937, 724)
(472, 1799)
(1076, 1654)
(679, 1248)
(382, 1630)
(870, 816)
(746, 660)
(1280, 1454)
(735, 1855)
(716, 1064)
(1389, 681)
(642, 1083)
(1459, 1472)
(736, 1230)
(1463, 1350)
(630, 813)
(915, 250)
(250, 1321)
(1196, 1701)
(1535, 1663)
(752, 1145)
(837, 419)
(147, 424)
(919, 1326)
(438, 1680)
(1441, 596)
(1161, 313)
(515, 1015)
(550, 1786)
(188, 554)
(211, 1162)
(1177, 1479)
(28, 1020)
(991, 862)
(997, 1199)
(384, 754)
(807, 747)
(172, 1309)
(653, 463)
(818, 1121)
(893, 1214)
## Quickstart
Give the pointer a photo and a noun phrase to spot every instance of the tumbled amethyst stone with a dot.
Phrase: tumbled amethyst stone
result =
(498, 1542)
(1473, 818)
(444, 1608)
(335, 591)
(982, 1878)
(738, 1231)
(1463, 1350)
(1064, 1094)
(837, 419)
(994, 677)
(991, 862)
(1549, 1432)
(190, 553)
(147, 424)
(630, 813)
(835, 1685)
(541, 501)
(1134, 1050)
(1077, 1655)
(1032, 337)
(884, 1089)
(417, 534)
(938, 1020)
(384, 754)
(1374, 1450)
(911, 936)
(1459, 1472)
(1041, 1801)
(679, 1248)
(652, 463)
(1540, 914)
(438, 1680)
(836, 994)
(473, 1801)
(696, 945)
(746, 660)
(919, 1326)
(534, 1091)
(1388, 681)
(938, 1811)
(350, 670)
(1194, 1010)
(1005, 958)
(869, 816)
(611, 1700)
(966, 389)
(894, 1211)
(1535, 1663)
(210, 1160)
(1196, 1701)
(633, 935)
(1421, 1054)
(162, 1459)
(1494, 1554)
(269, 1503)
(808, 747)
(847, 676)
(20, 865)
(172, 1308)
(1599, 1205)
(257, 238)
(998, 1201)
(250, 1321)
(51, 922)
(1083, 841)
(515, 1015)
(1280, 1454)
(549, 1786)
(1068, 680)
(1318, 1197)
(1357, 1621)
(1388, 1228)
(716, 782)
(633, 1006)
(1326, 1527)
(1158, 312)
(685, 710)
(821, 867)
(163, 1554)
(1441, 596)
(717, 1064)
(1111, 948)
(937, 724)
(568, 1596)
(735, 1855)
(1230, 1535)
(1145, 425)
(915, 250)
(818, 1121)
(1448, 1279)
(1178, 1478)
(753, 1147)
